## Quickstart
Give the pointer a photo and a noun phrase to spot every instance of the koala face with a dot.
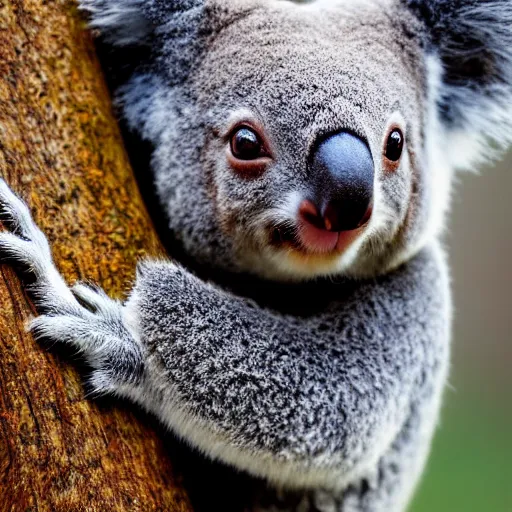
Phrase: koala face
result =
(296, 140)
(310, 125)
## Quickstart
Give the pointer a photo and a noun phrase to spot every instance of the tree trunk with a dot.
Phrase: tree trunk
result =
(60, 149)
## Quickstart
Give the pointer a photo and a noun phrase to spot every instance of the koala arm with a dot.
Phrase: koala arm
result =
(311, 400)
(304, 401)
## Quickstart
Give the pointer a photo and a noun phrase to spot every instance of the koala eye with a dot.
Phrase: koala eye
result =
(395, 145)
(248, 150)
(246, 144)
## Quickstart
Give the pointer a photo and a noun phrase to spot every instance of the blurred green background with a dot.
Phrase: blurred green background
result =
(470, 469)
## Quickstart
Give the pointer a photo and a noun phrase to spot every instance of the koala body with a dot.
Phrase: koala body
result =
(303, 154)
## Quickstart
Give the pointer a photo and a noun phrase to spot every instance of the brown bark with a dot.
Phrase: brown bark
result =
(60, 149)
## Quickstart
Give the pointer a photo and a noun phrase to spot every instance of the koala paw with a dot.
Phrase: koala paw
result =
(83, 316)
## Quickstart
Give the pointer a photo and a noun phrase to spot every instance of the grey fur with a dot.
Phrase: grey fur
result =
(328, 388)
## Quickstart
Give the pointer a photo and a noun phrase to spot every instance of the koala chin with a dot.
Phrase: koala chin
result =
(303, 155)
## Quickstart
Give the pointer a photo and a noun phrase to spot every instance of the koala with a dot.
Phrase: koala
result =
(303, 155)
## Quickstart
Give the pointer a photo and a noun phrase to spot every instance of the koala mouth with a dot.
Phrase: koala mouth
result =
(322, 231)
(307, 239)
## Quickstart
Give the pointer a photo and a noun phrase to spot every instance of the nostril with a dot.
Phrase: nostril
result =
(332, 217)
(339, 216)
(309, 213)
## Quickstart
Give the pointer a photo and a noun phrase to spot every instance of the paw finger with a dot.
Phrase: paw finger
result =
(60, 328)
(27, 254)
(96, 300)
(14, 210)
(13, 207)
(22, 251)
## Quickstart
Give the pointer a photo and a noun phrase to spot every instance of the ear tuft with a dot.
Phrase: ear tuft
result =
(120, 22)
(472, 40)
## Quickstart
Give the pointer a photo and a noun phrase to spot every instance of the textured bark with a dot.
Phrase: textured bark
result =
(60, 149)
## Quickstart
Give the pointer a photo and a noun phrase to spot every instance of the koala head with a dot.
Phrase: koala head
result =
(302, 139)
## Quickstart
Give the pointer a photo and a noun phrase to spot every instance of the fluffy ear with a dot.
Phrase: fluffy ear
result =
(132, 22)
(472, 42)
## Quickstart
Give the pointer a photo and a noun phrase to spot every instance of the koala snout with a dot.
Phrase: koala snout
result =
(342, 176)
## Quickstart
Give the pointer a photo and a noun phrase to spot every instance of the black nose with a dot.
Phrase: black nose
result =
(342, 174)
